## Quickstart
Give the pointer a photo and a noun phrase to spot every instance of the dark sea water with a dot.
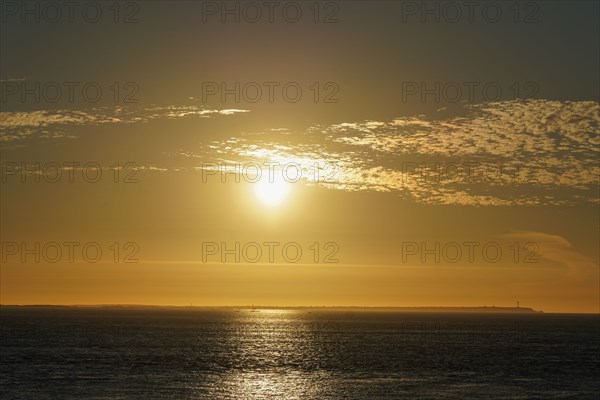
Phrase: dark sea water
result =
(285, 354)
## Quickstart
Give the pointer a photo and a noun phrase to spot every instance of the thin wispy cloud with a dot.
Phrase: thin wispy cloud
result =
(15, 126)
(557, 249)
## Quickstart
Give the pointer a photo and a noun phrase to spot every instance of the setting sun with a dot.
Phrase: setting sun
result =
(300, 199)
(271, 190)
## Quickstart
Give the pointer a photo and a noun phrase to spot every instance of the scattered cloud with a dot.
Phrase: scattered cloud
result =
(17, 126)
(528, 153)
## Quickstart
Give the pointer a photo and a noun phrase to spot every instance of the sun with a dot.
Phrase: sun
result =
(271, 191)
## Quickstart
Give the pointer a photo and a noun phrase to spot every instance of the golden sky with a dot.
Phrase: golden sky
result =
(366, 161)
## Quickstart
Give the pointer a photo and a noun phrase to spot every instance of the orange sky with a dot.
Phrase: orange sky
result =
(421, 198)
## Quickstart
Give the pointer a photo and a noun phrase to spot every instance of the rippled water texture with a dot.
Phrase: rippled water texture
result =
(287, 354)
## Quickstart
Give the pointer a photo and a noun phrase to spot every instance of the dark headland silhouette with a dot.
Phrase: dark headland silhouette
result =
(481, 309)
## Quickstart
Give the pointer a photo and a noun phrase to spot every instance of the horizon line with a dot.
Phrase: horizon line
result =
(252, 306)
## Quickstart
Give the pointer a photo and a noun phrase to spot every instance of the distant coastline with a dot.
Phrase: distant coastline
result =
(470, 310)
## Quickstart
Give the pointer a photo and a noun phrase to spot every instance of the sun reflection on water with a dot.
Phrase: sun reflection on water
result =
(274, 358)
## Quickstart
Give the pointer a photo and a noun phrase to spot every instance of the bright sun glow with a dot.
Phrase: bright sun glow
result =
(271, 191)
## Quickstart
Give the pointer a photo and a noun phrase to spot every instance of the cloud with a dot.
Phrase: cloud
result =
(523, 153)
(528, 153)
(17, 126)
(558, 249)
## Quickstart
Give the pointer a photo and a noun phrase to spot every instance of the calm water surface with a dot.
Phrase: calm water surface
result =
(286, 354)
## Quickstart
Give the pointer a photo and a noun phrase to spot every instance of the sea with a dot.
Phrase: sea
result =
(195, 353)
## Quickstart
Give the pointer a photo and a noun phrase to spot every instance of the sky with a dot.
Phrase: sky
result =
(357, 153)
